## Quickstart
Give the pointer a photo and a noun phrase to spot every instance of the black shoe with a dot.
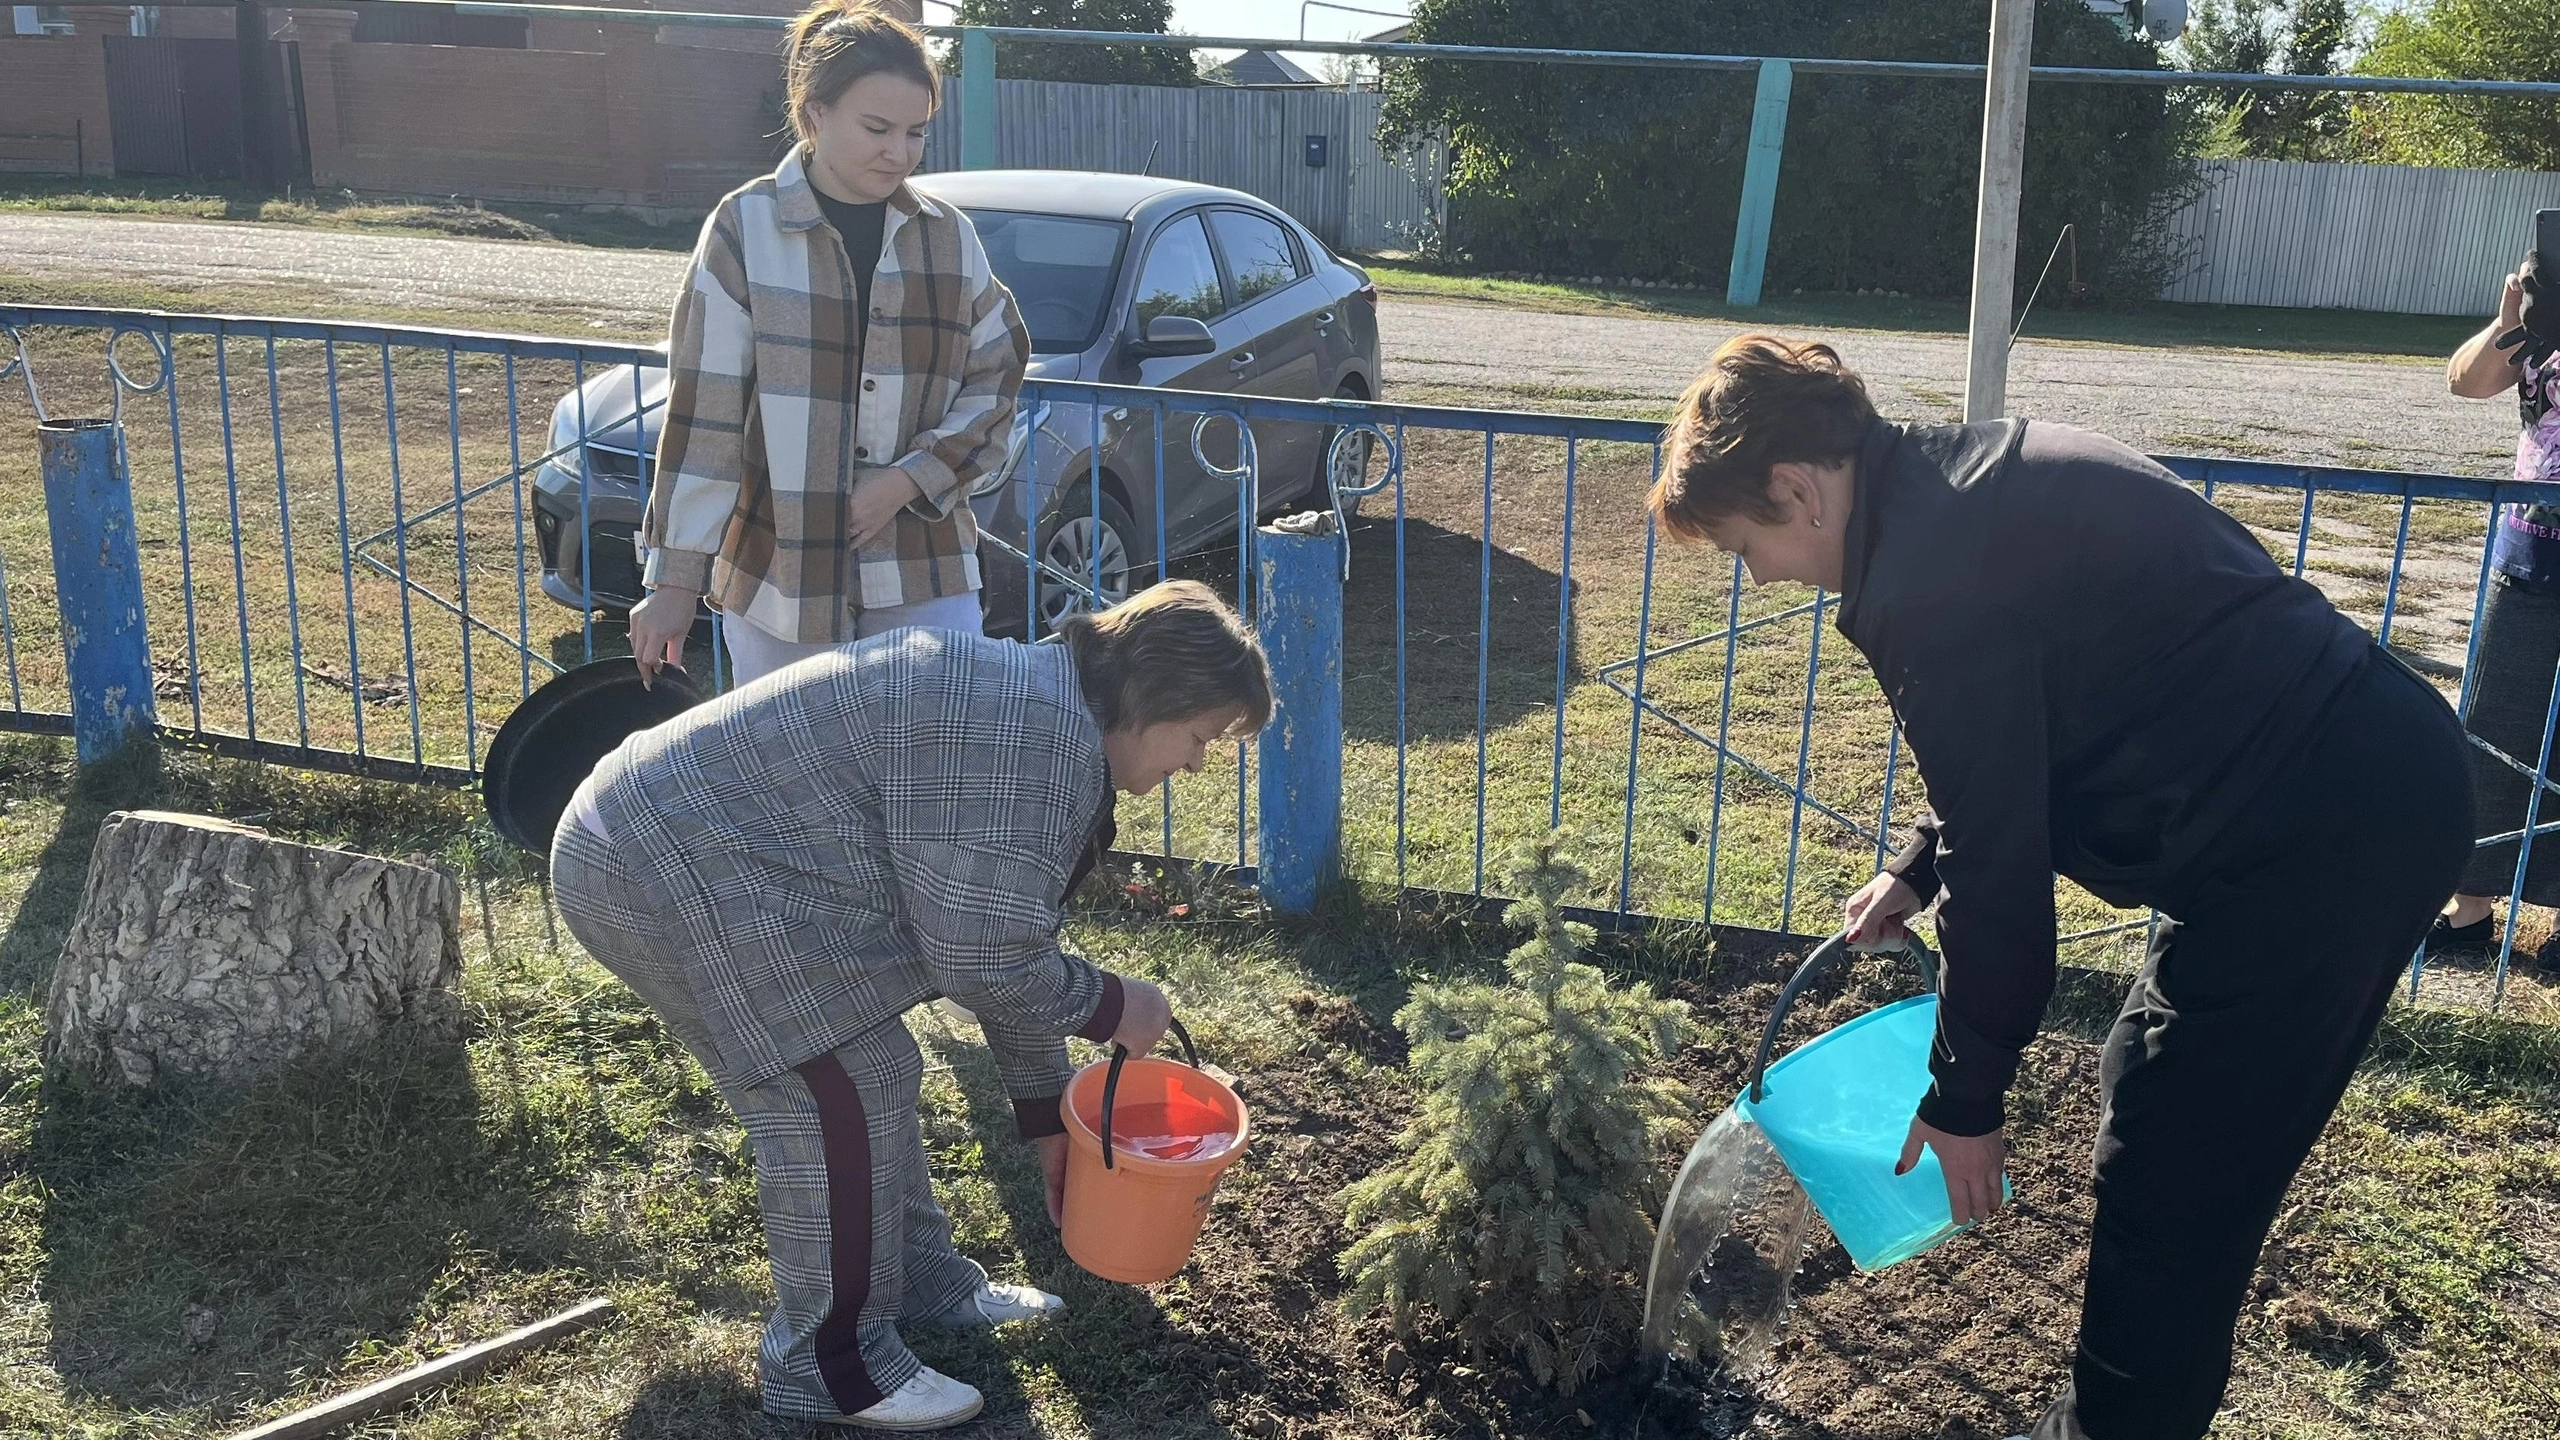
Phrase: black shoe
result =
(2546, 957)
(2444, 938)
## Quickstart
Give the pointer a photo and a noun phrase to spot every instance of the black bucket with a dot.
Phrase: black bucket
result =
(552, 742)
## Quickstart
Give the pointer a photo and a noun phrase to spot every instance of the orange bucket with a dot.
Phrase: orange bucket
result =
(1143, 1161)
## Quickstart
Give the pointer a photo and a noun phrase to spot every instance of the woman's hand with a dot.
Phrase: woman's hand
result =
(1144, 1017)
(1973, 1165)
(1053, 1169)
(1879, 912)
(659, 625)
(2511, 302)
(878, 496)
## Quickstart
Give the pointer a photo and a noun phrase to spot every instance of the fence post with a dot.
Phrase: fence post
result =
(1298, 613)
(1995, 224)
(977, 100)
(97, 576)
(1760, 182)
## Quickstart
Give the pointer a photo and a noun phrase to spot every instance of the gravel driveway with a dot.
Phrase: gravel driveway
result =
(2382, 414)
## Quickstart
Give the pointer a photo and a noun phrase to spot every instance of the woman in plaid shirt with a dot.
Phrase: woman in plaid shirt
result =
(784, 872)
(842, 367)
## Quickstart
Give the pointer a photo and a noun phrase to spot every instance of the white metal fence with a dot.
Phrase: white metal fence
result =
(2357, 237)
(1361, 198)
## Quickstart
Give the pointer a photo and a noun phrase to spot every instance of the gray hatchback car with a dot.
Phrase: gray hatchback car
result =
(1121, 279)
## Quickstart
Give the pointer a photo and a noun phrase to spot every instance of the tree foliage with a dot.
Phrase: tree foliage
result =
(2468, 40)
(1534, 1164)
(1639, 172)
(2273, 37)
(1084, 64)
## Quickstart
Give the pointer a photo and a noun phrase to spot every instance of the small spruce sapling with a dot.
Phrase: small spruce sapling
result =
(1535, 1160)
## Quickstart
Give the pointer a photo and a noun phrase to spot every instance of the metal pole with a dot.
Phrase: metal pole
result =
(1995, 226)
(1760, 182)
(97, 576)
(977, 100)
(1298, 614)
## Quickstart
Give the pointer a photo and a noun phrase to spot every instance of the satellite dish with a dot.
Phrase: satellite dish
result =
(2164, 20)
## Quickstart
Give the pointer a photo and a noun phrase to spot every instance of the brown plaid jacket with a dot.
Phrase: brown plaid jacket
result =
(780, 395)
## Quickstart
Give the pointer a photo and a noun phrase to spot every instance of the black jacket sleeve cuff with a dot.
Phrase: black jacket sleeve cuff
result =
(1038, 1119)
(1106, 1016)
(1917, 865)
(1960, 1115)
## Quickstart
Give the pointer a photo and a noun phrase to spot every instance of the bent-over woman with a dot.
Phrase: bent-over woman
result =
(784, 872)
(2101, 674)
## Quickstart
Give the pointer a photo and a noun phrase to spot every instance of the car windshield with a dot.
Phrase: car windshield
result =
(1059, 270)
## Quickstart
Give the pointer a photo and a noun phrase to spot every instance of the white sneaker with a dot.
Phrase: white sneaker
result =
(930, 1401)
(954, 1011)
(1003, 1304)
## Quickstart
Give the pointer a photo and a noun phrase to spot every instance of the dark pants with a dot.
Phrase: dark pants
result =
(2239, 1037)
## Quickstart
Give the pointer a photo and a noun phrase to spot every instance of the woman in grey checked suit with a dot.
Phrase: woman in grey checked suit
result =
(784, 872)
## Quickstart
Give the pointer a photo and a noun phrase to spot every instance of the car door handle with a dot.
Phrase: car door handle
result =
(1241, 361)
(1324, 319)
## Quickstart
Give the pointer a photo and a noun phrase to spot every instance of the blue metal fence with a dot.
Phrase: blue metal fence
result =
(386, 532)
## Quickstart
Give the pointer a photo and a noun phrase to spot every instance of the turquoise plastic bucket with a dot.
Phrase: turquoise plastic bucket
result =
(1837, 1110)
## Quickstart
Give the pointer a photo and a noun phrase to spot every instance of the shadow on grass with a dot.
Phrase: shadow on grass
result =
(698, 1401)
(299, 1216)
(1448, 608)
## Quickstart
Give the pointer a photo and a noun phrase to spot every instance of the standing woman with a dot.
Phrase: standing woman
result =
(784, 872)
(843, 366)
(2519, 646)
(2102, 675)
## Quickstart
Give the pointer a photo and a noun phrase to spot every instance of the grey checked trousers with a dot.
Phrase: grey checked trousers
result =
(850, 1223)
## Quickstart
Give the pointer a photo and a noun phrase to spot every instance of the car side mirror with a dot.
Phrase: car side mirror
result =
(1169, 335)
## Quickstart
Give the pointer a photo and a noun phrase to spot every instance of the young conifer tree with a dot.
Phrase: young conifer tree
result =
(1522, 1207)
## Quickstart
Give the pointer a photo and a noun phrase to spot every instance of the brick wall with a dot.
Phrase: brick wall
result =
(657, 117)
(54, 86)
(438, 119)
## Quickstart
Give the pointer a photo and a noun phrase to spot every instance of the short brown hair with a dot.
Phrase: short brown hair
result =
(836, 42)
(1762, 402)
(1169, 653)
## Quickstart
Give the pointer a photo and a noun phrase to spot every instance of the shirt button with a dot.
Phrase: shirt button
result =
(861, 454)
(879, 313)
(870, 384)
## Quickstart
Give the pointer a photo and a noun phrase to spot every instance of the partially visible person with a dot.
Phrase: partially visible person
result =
(843, 365)
(2517, 653)
(784, 872)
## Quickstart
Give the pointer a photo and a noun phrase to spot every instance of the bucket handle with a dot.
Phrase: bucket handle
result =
(1824, 956)
(1111, 1081)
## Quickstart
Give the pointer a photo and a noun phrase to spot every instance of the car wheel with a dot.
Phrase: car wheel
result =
(1095, 544)
(1349, 468)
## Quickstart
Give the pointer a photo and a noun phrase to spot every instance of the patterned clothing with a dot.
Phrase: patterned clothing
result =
(782, 392)
(856, 1240)
(2528, 543)
(859, 833)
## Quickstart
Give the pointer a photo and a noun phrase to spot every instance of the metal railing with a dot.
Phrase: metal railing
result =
(352, 548)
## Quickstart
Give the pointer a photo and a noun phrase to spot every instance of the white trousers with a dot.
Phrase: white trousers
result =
(755, 653)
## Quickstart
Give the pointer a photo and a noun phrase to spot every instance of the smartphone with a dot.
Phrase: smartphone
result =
(2546, 236)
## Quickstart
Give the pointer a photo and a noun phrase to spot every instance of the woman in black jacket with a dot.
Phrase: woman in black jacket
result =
(2102, 675)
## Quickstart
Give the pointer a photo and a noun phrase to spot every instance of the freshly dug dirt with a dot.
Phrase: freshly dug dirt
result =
(1968, 1341)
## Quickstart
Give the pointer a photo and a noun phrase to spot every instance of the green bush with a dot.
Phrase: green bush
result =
(1638, 172)
(1535, 1160)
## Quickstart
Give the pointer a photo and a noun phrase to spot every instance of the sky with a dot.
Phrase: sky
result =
(1256, 19)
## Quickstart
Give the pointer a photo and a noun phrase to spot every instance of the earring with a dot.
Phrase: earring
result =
(1817, 522)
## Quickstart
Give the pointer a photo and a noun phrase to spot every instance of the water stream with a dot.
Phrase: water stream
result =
(1732, 1235)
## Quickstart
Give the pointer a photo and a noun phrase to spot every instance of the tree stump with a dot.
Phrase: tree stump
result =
(206, 949)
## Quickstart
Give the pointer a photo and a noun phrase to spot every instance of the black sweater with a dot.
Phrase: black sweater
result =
(2095, 669)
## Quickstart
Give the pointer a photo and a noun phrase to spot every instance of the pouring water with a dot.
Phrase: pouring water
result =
(1817, 1132)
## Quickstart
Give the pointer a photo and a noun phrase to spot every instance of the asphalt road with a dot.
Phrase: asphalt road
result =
(2366, 412)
